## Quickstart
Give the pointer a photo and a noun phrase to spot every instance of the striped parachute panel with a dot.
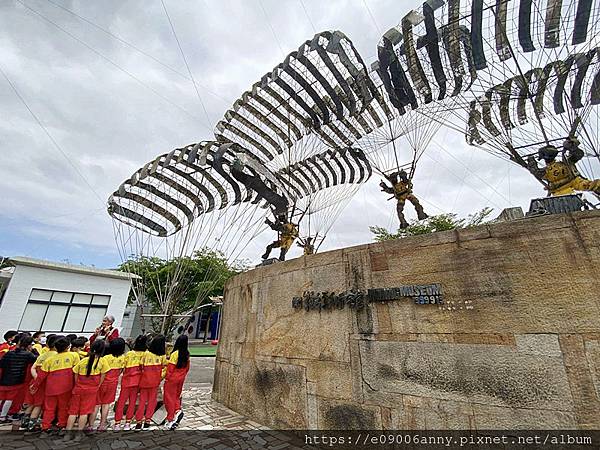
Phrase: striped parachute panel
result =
(171, 191)
(316, 89)
(443, 48)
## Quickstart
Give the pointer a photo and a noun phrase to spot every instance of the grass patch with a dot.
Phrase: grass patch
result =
(203, 350)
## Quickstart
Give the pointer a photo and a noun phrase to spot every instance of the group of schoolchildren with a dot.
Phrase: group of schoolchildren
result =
(58, 383)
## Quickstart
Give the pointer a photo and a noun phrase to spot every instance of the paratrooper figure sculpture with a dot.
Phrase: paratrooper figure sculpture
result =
(402, 190)
(562, 177)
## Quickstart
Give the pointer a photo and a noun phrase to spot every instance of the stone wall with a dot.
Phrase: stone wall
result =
(526, 355)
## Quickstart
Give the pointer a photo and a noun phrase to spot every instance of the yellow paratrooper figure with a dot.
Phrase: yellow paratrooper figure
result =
(287, 232)
(562, 177)
(308, 246)
(402, 190)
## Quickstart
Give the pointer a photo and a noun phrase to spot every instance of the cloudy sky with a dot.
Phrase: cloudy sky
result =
(92, 90)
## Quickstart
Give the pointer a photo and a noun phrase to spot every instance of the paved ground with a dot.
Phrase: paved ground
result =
(201, 413)
(206, 424)
(202, 370)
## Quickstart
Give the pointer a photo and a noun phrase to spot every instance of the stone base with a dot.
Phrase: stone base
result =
(516, 344)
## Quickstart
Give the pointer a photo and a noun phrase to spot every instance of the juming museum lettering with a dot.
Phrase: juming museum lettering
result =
(428, 294)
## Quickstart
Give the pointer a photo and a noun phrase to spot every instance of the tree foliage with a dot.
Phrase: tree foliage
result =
(4, 262)
(441, 222)
(178, 285)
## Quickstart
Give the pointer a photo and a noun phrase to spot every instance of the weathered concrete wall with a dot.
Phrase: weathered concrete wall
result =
(527, 355)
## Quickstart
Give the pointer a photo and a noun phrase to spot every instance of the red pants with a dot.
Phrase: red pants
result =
(10, 392)
(52, 404)
(18, 399)
(106, 393)
(28, 400)
(36, 399)
(82, 404)
(127, 393)
(172, 397)
(147, 395)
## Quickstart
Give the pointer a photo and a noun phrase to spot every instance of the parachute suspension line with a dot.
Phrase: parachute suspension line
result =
(574, 119)
(423, 135)
(178, 275)
(175, 291)
(414, 138)
(257, 226)
(229, 225)
(116, 234)
(233, 224)
(502, 27)
(590, 139)
(393, 143)
(208, 121)
(446, 124)
(136, 285)
(158, 286)
(134, 244)
(119, 237)
(509, 182)
(208, 274)
(573, 122)
(309, 221)
(471, 172)
(289, 168)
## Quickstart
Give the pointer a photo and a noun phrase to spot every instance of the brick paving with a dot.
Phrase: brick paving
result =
(201, 413)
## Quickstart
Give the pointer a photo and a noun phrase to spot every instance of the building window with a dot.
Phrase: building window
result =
(71, 312)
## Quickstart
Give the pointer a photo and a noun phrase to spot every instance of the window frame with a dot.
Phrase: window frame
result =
(69, 304)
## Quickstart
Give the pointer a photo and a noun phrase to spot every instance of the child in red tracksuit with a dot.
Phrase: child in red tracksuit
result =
(8, 344)
(36, 401)
(153, 362)
(14, 367)
(89, 375)
(177, 369)
(115, 359)
(57, 372)
(132, 372)
(19, 396)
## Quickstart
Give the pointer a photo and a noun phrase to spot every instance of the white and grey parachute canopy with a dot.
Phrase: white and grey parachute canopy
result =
(266, 157)
(297, 119)
(511, 76)
(170, 192)
(323, 82)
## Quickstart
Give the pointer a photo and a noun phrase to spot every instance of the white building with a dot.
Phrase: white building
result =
(54, 297)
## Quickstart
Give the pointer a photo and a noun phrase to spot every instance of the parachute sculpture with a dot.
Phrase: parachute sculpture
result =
(169, 193)
(302, 110)
(511, 76)
(265, 158)
(323, 82)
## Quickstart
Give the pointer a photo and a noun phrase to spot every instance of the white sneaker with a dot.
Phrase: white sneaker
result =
(178, 417)
(117, 427)
(168, 425)
(127, 427)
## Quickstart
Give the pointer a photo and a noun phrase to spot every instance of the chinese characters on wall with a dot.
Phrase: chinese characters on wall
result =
(429, 294)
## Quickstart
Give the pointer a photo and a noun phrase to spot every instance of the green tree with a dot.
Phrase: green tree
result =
(5, 262)
(179, 285)
(441, 222)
